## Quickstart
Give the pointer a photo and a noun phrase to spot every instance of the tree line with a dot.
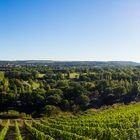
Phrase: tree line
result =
(37, 89)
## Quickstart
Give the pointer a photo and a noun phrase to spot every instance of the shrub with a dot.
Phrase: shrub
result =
(50, 110)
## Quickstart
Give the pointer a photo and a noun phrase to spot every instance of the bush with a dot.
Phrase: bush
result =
(11, 114)
(50, 110)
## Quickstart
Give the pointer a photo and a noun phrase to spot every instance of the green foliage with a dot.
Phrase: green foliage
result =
(71, 88)
(115, 123)
(0, 122)
(57, 133)
(18, 134)
(4, 130)
(11, 114)
(37, 134)
(50, 110)
(1, 76)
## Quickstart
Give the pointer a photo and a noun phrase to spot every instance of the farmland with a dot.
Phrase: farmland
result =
(117, 122)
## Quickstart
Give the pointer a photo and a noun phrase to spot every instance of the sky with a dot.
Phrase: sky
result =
(85, 30)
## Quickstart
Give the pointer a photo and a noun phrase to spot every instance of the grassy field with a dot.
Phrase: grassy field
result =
(40, 75)
(73, 75)
(35, 85)
(118, 122)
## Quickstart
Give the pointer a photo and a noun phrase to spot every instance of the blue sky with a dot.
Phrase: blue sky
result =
(70, 29)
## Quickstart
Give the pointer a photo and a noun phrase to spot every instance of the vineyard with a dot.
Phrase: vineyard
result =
(115, 123)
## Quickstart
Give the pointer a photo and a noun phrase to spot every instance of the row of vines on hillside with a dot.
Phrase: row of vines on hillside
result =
(36, 133)
(4, 130)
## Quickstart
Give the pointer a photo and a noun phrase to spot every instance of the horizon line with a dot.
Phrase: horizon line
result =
(69, 60)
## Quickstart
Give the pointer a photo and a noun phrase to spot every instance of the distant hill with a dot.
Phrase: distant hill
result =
(103, 63)
(75, 63)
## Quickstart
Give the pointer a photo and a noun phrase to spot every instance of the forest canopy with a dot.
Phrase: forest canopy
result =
(36, 88)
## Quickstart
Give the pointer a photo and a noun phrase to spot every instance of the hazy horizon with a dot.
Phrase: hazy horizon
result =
(73, 30)
(70, 60)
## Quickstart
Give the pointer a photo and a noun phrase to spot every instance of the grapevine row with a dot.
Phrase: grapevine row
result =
(101, 133)
(18, 134)
(36, 133)
(57, 133)
(4, 130)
